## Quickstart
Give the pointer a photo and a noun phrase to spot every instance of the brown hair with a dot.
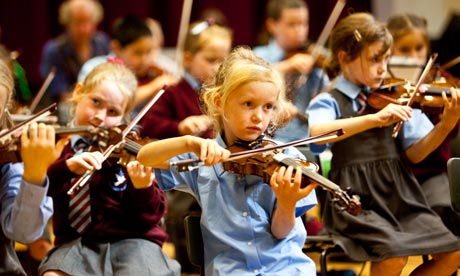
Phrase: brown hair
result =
(275, 7)
(401, 24)
(201, 32)
(351, 35)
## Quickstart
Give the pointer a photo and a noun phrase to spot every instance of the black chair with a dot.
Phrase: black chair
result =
(326, 247)
(194, 240)
(453, 172)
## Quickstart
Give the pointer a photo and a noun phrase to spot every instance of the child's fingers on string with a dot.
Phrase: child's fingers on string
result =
(273, 182)
(50, 134)
(298, 177)
(308, 189)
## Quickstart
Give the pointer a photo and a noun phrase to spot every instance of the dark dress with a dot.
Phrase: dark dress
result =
(396, 219)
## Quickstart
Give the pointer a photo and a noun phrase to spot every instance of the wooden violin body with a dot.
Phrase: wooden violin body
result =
(266, 163)
(399, 91)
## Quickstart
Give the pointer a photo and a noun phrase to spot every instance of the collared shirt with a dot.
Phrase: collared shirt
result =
(236, 221)
(25, 207)
(315, 82)
(324, 108)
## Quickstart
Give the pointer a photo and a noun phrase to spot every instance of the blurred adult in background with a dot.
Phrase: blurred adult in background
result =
(80, 41)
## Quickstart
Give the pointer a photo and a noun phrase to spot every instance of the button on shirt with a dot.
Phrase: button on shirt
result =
(235, 222)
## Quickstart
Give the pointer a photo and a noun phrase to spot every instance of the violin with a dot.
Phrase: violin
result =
(399, 91)
(11, 151)
(115, 140)
(265, 164)
(264, 158)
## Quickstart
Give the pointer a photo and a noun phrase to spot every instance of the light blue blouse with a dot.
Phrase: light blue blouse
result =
(235, 221)
(324, 108)
(25, 207)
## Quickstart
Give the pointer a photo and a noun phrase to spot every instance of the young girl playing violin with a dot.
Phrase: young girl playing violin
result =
(249, 227)
(411, 40)
(396, 221)
(179, 112)
(123, 235)
(25, 208)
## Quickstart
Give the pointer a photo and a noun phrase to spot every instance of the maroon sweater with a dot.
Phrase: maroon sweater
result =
(177, 103)
(117, 213)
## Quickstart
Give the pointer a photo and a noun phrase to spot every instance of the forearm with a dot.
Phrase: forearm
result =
(283, 221)
(350, 126)
(25, 208)
(156, 154)
(147, 91)
(423, 147)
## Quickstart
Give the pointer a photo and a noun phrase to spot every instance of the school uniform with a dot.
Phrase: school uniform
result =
(125, 234)
(25, 211)
(176, 104)
(396, 219)
(235, 221)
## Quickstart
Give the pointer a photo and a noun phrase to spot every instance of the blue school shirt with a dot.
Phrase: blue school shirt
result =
(235, 221)
(25, 207)
(324, 108)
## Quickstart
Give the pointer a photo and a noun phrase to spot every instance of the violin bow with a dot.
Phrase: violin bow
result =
(42, 90)
(7, 135)
(186, 165)
(333, 17)
(184, 22)
(109, 150)
(425, 72)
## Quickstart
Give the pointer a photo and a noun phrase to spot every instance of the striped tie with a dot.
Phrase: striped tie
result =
(80, 204)
(362, 101)
(80, 209)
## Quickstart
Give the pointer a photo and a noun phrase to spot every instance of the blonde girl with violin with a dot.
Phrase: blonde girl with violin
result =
(249, 227)
(396, 220)
(411, 40)
(121, 233)
(179, 112)
(25, 208)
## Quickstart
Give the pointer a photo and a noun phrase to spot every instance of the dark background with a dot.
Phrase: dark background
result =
(26, 25)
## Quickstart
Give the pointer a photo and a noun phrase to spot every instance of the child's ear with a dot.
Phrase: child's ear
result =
(188, 59)
(116, 47)
(77, 89)
(218, 103)
(342, 57)
(270, 25)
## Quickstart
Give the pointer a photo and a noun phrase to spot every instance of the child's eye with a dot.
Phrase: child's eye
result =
(268, 106)
(248, 104)
(96, 102)
(113, 112)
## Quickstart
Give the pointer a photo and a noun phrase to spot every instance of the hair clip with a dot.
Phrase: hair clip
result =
(115, 60)
(358, 36)
(202, 26)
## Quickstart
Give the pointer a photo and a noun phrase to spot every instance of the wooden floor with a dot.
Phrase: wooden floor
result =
(360, 269)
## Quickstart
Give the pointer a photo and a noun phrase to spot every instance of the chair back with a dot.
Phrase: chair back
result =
(194, 240)
(453, 172)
